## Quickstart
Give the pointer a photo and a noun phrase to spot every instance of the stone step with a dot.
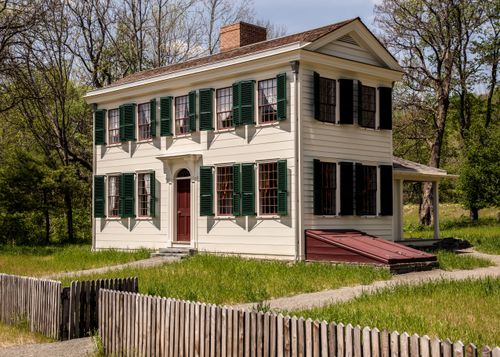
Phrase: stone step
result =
(173, 252)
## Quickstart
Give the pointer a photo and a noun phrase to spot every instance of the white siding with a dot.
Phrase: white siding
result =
(245, 235)
(350, 51)
(335, 143)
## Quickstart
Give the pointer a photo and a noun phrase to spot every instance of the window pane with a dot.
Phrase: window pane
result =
(114, 126)
(368, 107)
(267, 101)
(369, 191)
(224, 108)
(329, 179)
(327, 99)
(268, 188)
(113, 196)
(144, 121)
(182, 115)
(144, 193)
(225, 191)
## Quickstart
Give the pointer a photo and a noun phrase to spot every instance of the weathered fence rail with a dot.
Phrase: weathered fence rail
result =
(80, 304)
(139, 325)
(36, 300)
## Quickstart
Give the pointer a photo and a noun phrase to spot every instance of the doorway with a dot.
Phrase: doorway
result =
(183, 205)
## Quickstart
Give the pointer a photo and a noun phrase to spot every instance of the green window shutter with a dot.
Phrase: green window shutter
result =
(317, 95)
(127, 122)
(206, 191)
(386, 190)
(282, 188)
(166, 116)
(152, 113)
(359, 190)
(206, 109)
(358, 102)
(247, 102)
(236, 105)
(152, 188)
(127, 195)
(281, 96)
(247, 189)
(346, 101)
(317, 187)
(100, 127)
(192, 111)
(99, 197)
(385, 108)
(346, 189)
(237, 190)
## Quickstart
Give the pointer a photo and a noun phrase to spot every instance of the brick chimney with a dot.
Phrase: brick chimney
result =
(240, 34)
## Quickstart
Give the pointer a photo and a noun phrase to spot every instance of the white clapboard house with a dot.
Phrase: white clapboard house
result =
(247, 150)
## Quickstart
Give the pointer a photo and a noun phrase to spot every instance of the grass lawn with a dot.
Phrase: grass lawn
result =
(38, 261)
(19, 335)
(453, 261)
(459, 310)
(484, 235)
(229, 280)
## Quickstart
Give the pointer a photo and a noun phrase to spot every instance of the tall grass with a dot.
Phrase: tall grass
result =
(12, 335)
(459, 310)
(229, 280)
(456, 261)
(38, 261)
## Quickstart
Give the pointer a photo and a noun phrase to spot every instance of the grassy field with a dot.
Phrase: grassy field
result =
(38, 261)
(229, 280)
(19, 335)
(453, 261)
(459, 310)
(484, 235)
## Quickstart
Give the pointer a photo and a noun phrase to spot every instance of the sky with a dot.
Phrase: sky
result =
(301, 15)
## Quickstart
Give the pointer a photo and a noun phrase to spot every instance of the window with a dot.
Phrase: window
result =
(327, 99)
(367, 107)
(144, 194)
(181, 115)
(367, 195)
(267, 101)
(225, 191)
(144, 123)
(114, 126)
(268, 188)
(328, 191)
(224, 108)
(113, 196)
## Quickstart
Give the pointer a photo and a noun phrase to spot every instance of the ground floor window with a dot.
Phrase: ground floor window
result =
(144, 194)
(113, 196)
(329, 187)
(367, 190)
(268, 188)
(224, 190)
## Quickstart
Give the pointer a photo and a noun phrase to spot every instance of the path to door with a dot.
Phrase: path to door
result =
(327, 297)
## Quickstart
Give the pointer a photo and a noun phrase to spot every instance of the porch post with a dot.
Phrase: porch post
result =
(435, 204)
(397, 223)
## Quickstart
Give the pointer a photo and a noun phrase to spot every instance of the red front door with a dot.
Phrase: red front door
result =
(183, 210)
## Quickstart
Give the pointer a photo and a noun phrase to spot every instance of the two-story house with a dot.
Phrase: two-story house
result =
(245, 151)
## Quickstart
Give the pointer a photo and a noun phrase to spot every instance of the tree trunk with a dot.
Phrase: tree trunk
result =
(474, 214)
(68, 202)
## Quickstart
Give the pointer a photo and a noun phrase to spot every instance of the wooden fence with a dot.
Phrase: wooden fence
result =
(80, 304)
(36, 300)
(139, 325)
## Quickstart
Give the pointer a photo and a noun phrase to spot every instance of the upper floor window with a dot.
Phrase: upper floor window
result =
(368, 107)
(224, 108)
(113, 196)
(268, 188)
(114, 126)
(182, 115)
(144, 123)
(367, 191)
(224, 190)
(144, 194)
(267, 101)
(327, 99)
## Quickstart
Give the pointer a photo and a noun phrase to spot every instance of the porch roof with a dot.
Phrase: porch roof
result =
(413, 171)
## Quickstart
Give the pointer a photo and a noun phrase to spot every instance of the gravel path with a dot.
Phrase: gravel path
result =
(81, 347)
(150, 262)
(327, 297)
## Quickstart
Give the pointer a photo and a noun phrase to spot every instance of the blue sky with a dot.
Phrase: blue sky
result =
(301, 15)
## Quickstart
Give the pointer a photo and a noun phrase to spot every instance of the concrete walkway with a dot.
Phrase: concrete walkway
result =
(80, 347)
(328, 297)
(145, 263)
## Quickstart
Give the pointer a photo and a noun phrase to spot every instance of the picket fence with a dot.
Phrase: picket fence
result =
(133, 324)
(36, 300)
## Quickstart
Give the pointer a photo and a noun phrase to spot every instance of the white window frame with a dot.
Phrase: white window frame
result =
(137, 202)
(108, 127)
(260, 215)
(137, 125)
